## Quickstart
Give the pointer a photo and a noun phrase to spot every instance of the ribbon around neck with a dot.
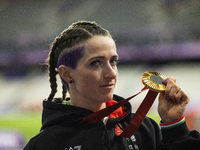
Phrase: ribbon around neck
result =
(136, 119)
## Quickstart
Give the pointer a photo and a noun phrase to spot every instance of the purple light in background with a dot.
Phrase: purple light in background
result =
(33, 57)
(11, 140)
(127, 53)
(159, 52)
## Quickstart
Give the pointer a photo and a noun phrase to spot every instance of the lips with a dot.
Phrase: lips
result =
(107, 85)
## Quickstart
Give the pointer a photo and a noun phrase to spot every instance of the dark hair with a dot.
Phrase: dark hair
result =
(75, 34)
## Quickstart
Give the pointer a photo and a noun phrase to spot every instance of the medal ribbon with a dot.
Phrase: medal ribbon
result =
(140, 114)
(137, 118)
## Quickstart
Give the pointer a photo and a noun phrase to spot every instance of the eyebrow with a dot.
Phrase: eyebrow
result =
(101, 57)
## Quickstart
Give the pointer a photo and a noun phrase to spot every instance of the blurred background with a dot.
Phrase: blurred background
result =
(153, 35)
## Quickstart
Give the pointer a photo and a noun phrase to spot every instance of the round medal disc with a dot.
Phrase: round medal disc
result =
(154, 81)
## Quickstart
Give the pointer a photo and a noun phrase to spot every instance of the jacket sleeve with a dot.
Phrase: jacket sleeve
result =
(179, 137)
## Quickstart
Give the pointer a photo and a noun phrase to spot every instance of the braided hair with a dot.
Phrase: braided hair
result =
(75, 34)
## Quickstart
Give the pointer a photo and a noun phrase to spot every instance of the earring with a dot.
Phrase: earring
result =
(70, 81)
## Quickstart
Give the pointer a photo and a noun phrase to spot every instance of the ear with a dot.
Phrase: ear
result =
(65, 73)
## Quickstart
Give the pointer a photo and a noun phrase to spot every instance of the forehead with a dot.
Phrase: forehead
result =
(100, 45)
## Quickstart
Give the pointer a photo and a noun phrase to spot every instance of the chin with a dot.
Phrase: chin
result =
(108, 98)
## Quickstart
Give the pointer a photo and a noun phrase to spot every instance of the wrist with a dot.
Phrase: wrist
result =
(173, 123)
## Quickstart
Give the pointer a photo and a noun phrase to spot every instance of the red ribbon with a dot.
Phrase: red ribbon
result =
(140, 114)
(137, 118)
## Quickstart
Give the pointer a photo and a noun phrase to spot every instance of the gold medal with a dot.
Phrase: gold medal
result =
(154, 81)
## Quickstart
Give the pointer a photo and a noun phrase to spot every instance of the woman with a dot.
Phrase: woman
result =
(85, 57)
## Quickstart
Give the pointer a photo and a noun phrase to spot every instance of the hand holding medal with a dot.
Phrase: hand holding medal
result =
(172, 100)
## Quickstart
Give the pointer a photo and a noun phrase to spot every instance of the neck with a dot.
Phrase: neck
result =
(87, 104)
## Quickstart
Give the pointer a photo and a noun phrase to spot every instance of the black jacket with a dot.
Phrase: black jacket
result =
(62, 130)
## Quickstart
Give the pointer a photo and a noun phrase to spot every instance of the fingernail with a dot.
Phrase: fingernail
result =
(167, 96)
(166, 80)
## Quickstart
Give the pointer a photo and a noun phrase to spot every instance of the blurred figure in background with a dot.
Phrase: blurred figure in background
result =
(85, 57)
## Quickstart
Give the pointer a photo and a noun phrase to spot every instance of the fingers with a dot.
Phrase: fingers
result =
(182, 96)
(172, 101)
(170, 79)
(173, 92)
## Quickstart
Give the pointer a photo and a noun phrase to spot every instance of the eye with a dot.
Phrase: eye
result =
(114, 62)
(95, 63)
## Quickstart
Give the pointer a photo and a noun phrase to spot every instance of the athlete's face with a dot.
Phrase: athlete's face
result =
(95, 76)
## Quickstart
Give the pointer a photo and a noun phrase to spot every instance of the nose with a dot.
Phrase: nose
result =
(110, 72)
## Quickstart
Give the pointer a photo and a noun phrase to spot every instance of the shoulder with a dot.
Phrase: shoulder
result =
(45, 140)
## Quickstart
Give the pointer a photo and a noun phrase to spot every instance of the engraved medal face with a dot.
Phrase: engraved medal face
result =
(154, 81)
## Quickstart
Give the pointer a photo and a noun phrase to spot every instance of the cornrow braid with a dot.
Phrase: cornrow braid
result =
(64, 92)
(75, 34)
(91, 27)
(52, 75)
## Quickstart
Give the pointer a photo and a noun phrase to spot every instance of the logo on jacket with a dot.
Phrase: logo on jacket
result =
(132, 143)
(74, 148)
